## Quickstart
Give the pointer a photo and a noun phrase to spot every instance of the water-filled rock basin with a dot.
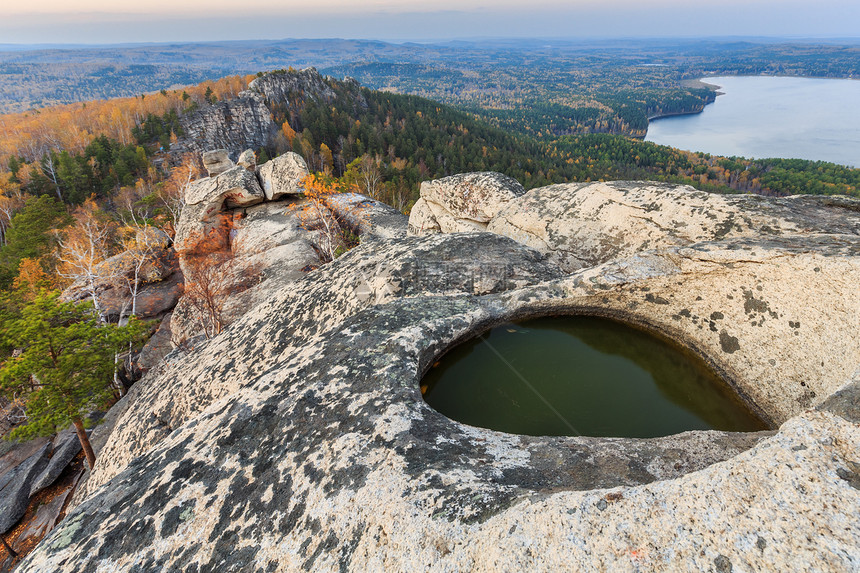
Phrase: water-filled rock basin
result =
(583, 376)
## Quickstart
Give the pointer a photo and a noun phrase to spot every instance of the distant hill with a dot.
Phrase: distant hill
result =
(622, 81)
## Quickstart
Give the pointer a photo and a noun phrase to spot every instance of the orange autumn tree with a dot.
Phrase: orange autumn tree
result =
(71, 127)
(213, 273)
(335, 221)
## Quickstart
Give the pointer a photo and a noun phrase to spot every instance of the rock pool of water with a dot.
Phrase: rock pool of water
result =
(581, 376)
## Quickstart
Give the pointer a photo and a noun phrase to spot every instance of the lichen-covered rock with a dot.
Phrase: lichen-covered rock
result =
(233, 125)
(462, 203)
(216, 161)
(248, 160)
(421, 219)
(235, 187)
(283, 175)
(585, 224)
(474, 196)
(370, 218)
(245, 122)
(283, 87)
(206, 198)
(298, 438)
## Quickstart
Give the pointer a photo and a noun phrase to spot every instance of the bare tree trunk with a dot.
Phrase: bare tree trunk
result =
(8, 547)
(49, 170)
(85, 442)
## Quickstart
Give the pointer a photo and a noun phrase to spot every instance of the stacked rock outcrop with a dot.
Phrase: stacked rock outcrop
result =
(266, 236)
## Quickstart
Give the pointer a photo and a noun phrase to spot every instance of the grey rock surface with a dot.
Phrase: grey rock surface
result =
(15, 487)
(473, 196)
(206, 198)
(369, 217)
(157, 347)
(282, 175)
(245, 122)
(66, 446)
(217, 161)
(283, 87)
(248, 160)
(233, 125)
(298, 438)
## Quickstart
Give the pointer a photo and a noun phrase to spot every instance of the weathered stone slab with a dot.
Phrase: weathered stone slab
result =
(248, 160)
(65, 447)
(421, 219)
(15, 488)
(370, 218)
(476, 197)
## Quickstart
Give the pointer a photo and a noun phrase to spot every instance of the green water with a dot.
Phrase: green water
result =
(581, 376)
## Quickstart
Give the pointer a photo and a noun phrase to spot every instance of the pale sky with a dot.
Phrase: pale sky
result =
(112, 21)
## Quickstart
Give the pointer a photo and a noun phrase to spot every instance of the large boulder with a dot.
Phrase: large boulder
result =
(462, 203)
(283, 175)
(216, 161)
(235, 187)
(298, 438)
(368, 217)
(248, 160)
(422, 221)
(66, 446)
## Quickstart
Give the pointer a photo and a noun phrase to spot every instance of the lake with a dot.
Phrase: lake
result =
(761, 116)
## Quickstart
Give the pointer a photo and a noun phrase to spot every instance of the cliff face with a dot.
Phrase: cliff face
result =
(298, 437)
(234, 125)
(246, 122)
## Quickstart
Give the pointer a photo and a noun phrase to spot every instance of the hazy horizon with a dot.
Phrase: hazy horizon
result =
(98, 22)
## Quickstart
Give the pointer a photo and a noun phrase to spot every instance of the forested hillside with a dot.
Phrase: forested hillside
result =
(114, 159)
(538, 88)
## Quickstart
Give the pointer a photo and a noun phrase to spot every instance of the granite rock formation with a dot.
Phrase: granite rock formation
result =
(245, 122)
(298, 439)
(465, 202)
(216, 162)
(159, 276)
(283, 175)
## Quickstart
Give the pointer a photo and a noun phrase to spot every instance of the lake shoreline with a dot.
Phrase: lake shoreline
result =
(755, 122)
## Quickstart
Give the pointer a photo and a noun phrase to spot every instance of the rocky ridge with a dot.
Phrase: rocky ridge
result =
(246, 121)
(298, 437)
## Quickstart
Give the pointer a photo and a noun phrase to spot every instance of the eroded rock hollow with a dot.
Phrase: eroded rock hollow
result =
(298, 438)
